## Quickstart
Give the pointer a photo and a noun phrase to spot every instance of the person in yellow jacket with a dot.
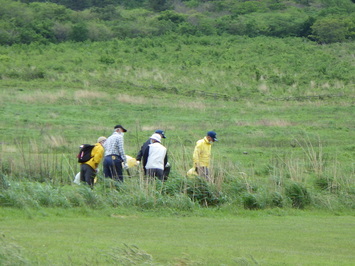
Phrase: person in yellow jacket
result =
(202, 154)
(88, 169)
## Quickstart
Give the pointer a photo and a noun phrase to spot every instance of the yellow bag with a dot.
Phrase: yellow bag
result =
(131, 162)
(192, 173)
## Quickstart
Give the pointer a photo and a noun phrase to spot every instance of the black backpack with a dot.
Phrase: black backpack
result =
(84, 154)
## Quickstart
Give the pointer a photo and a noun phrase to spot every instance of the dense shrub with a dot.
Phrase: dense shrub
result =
(80, 32)
(204, 193)
(298, 194)
(197, 189)
(3, 182)
(104, 20)
(277, 200)
(250, 202)
(333, 29)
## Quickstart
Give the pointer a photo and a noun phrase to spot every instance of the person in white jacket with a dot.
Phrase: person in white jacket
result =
(155, 158)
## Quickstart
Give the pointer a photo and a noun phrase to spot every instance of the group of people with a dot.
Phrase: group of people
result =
(152, 156)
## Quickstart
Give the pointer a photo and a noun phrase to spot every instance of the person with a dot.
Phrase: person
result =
(115, 154)
(155, 158)
(149, 141)
(202, 154)
(145, 145)
(89, 169)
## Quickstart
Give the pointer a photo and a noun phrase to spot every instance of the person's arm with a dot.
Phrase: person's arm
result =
(145, 156)
(141, 151)
(166, 159)
(139, 154)
(196, 154)
(98, 153)
(121, 149)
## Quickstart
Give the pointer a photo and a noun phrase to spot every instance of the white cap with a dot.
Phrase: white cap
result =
(156, 137)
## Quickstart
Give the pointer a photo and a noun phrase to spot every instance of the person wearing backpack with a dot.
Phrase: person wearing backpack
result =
(115, 154)
(88, 169)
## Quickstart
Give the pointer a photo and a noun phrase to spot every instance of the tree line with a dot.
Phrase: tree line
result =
(55, 21)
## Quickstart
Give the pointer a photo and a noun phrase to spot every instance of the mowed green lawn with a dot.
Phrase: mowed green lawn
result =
(275, 237)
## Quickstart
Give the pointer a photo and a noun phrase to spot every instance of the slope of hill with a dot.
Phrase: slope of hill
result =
(323, 21)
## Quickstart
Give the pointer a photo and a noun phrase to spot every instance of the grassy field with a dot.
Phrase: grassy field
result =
(126, 237)
(256, 93)
(283, 111)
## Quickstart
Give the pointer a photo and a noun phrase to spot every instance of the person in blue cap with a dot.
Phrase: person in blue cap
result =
(202, 154)
(143, 148)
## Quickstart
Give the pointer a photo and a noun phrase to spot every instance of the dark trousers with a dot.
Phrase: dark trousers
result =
(87, 174)
(156, 173)
(113, 167)
(166, 172)
(202, 171)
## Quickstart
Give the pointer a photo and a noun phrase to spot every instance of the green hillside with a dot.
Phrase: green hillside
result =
(323, 21)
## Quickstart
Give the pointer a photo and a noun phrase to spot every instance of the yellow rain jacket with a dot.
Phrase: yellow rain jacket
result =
(202, 153)
(97, 154)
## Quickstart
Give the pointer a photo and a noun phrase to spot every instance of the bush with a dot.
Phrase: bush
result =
(197, 189)
(250, 202)
(333, 29)
(323, 183)
(298, 195)
(277, 200)
(204, 193)
(79, 32)
(172, 16)
(3, 182)
(247, 7)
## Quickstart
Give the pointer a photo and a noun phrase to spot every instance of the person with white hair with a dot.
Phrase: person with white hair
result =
(88, 169)
(155, 158)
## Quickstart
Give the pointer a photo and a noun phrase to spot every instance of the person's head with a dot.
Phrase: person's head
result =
(211, 136)
(120, 129)
(161, 133)
(156, 138)
(101, 140)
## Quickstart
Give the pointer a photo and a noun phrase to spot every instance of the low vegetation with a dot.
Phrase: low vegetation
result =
(129, 236)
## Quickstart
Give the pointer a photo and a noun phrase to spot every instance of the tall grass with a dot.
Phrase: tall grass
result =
(37, 178)
(37, 161)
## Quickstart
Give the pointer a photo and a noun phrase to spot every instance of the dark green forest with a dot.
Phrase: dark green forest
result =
(56, 21)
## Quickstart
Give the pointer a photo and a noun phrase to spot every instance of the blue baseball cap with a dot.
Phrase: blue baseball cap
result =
(213, 135)
(161, 132)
